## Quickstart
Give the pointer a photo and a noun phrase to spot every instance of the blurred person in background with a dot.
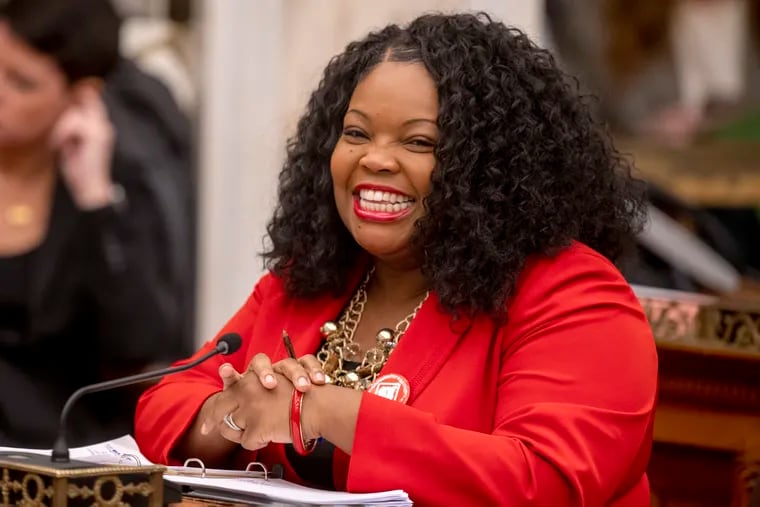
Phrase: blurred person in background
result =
(665, 69)
(673, 74)
(93, 220)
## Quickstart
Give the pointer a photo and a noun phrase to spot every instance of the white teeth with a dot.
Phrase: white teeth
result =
(380, 197)
(384, 207)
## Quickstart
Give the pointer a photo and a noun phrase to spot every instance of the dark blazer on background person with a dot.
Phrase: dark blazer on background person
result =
(155, 136)
(99, 305)
(108, 290)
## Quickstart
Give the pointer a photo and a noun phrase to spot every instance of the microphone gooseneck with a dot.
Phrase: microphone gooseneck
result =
(227, 344)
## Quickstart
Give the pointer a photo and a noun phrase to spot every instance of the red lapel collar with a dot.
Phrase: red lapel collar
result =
(426, 345)
(304, 317)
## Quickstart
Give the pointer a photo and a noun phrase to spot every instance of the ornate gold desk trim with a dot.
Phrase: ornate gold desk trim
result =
(30, 485)
(706, 322)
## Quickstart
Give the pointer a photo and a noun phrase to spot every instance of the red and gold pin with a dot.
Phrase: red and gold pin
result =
(391, 386)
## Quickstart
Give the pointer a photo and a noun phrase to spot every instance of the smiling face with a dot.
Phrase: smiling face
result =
(382, 163)
(33, 92)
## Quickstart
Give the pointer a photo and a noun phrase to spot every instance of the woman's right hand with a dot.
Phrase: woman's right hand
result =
(229, 376)
(302, 372)
(200, 441)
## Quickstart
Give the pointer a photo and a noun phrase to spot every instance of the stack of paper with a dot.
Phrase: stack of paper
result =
(278, 490)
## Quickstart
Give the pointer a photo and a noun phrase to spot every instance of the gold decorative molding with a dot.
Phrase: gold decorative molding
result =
(704, 322)
(35, 484)
(31, 487)
(109, 481)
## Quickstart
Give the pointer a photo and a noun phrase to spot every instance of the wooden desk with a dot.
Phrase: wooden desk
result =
(718, 173)
(707, 427)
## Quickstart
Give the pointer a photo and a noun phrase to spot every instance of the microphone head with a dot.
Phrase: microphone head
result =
(229, 343)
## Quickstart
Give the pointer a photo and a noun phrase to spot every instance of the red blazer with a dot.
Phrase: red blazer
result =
(554, 408)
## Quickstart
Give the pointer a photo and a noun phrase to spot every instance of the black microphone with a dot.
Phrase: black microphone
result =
(227, 344)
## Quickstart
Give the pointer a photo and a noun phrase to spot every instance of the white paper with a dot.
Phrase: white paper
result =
(120, 451)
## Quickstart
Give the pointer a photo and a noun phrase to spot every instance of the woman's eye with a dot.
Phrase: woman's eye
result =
(22, 82)
(354, 133)
(422, 143)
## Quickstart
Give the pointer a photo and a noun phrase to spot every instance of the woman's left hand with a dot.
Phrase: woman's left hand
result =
(262, 413)
(84, 139)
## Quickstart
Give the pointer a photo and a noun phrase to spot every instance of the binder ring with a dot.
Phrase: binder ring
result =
(199, 462)
(256, 464)
(251, 471)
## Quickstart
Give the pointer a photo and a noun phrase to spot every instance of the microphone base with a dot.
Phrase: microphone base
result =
(34, 478)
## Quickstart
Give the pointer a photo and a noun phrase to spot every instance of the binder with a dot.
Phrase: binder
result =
(194, 467)
(257, 485)
(254, 470)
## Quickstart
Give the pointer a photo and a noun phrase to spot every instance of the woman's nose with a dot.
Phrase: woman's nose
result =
(379, 159)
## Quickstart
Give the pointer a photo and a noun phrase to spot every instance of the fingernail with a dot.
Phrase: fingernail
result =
(269, 379)
(204, 429)
(319, 376)
(302, 382)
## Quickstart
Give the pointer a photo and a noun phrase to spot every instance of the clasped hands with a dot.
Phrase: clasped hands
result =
(258, 401)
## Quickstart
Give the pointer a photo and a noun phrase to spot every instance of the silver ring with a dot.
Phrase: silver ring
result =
(231, 423)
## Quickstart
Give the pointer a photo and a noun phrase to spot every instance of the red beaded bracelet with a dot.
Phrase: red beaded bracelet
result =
(301, 447)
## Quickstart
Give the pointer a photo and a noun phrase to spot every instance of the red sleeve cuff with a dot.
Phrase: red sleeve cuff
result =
(158, 433)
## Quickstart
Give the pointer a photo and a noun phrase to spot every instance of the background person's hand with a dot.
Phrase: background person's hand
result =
(84, 139)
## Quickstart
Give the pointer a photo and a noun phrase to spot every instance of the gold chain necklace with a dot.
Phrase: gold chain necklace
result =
(340, 346)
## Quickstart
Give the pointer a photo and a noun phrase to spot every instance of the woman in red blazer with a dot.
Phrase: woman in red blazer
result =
(440, 256)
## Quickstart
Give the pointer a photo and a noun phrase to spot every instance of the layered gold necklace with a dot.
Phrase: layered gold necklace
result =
(340, 346)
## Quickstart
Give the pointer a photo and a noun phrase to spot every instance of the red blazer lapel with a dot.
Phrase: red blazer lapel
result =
(427, 343)
(303, 318)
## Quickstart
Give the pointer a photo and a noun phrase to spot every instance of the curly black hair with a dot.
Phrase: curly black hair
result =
(521, 167)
